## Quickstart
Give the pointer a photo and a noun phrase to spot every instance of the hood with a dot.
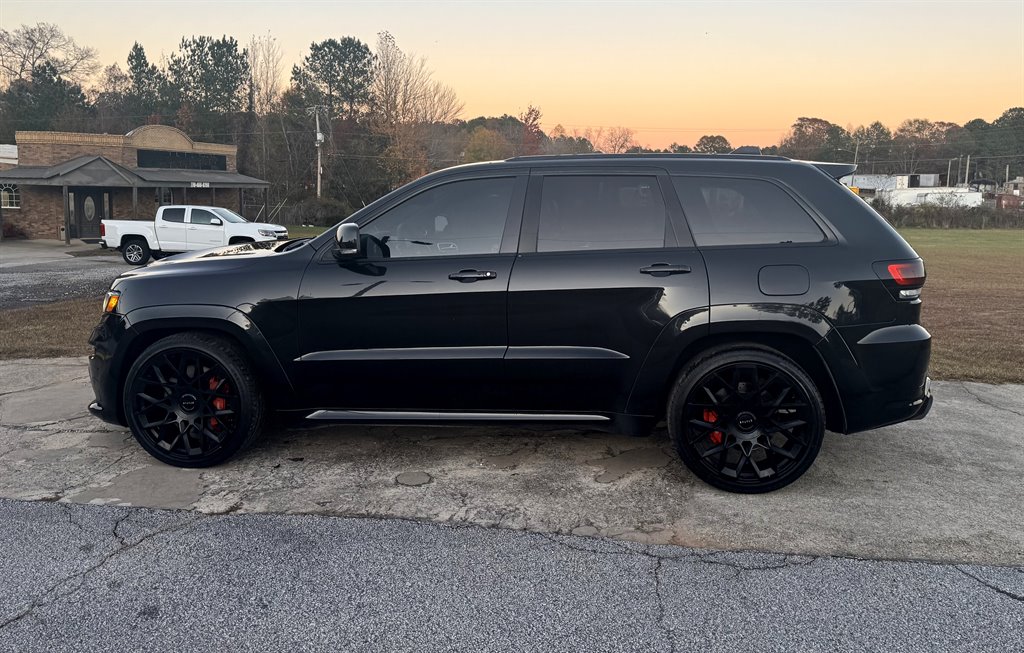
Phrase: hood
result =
(210, 260)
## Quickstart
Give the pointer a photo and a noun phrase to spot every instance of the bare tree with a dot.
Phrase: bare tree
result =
(265, 60)
(405, 102)
(28, 46)
(616, 141)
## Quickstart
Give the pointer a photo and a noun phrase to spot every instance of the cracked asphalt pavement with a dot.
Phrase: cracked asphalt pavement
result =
(388, 539)
(91, 578)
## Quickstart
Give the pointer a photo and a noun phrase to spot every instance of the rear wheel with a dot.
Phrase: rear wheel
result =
(192, 400)
(746, 420)
(136, 252)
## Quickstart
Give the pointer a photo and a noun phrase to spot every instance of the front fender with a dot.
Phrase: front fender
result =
(225, 319)
(119, 338)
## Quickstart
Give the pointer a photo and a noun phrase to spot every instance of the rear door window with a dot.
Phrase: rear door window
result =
(174, 215)
(595, 212)
(722, 211)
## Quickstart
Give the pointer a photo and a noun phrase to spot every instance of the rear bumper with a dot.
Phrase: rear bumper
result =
(886, 382)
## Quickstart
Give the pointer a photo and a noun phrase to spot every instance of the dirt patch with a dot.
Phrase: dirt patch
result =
(971, 301)
(49, 330)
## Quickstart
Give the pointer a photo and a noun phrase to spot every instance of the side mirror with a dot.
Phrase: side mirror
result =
(347, 237)
(216, 221)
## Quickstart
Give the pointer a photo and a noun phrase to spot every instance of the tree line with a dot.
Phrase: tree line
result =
(384, 119)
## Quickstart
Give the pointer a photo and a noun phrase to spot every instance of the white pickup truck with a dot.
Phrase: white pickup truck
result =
(183, 229)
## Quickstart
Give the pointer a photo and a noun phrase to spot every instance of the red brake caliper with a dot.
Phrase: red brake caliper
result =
(711, 417)
(219, 403)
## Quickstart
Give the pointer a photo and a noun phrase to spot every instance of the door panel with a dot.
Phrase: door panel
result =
(582, 321)
(200, 234)
(420, 321)
(171, 229)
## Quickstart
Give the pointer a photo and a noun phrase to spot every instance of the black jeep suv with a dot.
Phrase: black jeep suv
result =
(751, 302)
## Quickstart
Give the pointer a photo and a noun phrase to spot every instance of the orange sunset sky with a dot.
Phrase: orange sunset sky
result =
(672, 71)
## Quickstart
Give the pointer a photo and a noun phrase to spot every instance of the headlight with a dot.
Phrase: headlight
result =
(267, 232)
(111, 301)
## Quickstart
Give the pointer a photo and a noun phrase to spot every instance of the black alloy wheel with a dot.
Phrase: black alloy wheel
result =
(192, 401)
(747, 421)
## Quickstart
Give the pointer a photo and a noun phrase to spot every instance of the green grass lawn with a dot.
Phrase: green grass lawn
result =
(298, 231)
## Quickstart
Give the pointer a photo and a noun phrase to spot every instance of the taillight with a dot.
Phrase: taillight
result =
(103, 229)
(904, 279)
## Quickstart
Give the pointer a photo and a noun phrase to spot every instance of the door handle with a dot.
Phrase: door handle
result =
(665, 269)
(469, 276)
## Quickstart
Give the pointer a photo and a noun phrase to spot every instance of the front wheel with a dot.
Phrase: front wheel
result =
(192, 400)
(746, 420)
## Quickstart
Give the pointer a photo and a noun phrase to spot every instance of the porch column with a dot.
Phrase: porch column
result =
(184, 194)
(213, 196)
(67, 217)
(135, 203)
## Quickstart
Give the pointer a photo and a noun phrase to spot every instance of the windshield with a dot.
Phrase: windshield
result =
(229, 216)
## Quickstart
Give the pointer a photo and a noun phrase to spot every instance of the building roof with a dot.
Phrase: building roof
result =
(101, 171)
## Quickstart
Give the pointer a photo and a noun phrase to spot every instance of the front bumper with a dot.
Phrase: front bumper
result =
(103, 364)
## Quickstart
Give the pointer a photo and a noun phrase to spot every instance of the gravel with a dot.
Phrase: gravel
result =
(51, 281)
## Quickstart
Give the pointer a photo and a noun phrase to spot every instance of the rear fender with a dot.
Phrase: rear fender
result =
(798, 331)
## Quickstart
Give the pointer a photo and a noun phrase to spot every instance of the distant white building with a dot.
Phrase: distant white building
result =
(941, 195)
(891, 182)
(8, 156)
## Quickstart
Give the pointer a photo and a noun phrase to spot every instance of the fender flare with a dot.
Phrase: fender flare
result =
(224, 319)
(679, 343)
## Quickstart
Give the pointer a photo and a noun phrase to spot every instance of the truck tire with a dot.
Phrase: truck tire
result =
(135, 251)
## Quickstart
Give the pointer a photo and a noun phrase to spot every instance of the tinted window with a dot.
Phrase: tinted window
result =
(600, 212)
(174, 215)
(743, 212)
(457, 219)
(201, 216)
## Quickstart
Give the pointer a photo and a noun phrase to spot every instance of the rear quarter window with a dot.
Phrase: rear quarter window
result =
(724, 211)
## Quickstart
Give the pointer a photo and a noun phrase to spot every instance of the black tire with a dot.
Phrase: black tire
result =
(746, 419)
(192, 400)
(135, 251)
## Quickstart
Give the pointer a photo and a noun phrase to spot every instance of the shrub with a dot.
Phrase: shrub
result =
(935, 216)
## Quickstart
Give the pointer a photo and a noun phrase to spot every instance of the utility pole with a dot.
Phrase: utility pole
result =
(949, 171)
(967, 172)
(959, 166)
(319, 142)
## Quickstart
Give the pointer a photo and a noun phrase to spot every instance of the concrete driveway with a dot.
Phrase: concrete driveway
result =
(947, 488)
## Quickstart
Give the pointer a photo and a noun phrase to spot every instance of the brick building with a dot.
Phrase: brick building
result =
(60, 184)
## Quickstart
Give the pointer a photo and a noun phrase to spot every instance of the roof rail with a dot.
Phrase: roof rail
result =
(649, 155)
